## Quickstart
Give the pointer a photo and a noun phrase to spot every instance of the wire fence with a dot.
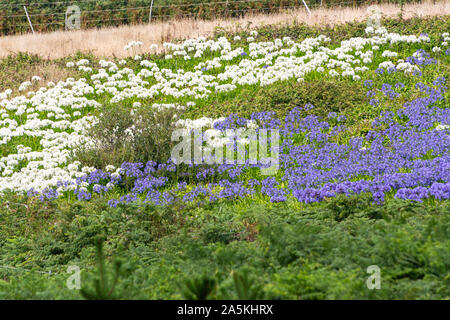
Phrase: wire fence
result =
(8, 271)
(20, 16)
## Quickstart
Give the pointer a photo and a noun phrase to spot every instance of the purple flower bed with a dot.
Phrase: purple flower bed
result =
(403, 155)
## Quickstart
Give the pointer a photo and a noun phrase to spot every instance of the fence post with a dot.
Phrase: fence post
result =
(28, 17)
(307, 9)
(227, 10)
(151, 9)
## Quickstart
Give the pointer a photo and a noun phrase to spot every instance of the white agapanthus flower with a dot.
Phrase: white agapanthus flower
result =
(82, 62)
(369, 30)
(389, 54)
(133, 44)
(440, 127)
(436, 49)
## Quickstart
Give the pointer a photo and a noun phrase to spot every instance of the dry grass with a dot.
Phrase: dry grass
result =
(16, 71)
(110, 42)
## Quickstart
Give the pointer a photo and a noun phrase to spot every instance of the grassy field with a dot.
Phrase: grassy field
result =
(363, 176)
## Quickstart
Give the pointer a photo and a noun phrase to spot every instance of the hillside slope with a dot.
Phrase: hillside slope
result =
(358, 121)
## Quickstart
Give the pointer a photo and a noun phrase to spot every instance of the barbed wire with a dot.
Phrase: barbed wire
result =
(138, 8)
(182, 5)
(99, 3)
(176, 5)
(228, 3)
(191, 14)
(49, 272)
(196, 4)
(178, 15)
(89, 11)
(156, 16)
(47, 3)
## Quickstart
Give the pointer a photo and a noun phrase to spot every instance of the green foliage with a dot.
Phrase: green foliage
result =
(246, 287)
(283, 252)
(218, 233)
(342, 207)
(281, 97)
(102, 290)
(127, 135)
(201, 288)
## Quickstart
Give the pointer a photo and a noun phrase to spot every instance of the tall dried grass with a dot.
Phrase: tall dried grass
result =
(109, 42)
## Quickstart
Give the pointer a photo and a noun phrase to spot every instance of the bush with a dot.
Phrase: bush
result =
(326, 96)
(122, 134)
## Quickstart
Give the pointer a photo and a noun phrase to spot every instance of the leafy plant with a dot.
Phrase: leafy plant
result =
(200, 288)
(246, 287)
(102, 289)
(281, 97)
(126, 135)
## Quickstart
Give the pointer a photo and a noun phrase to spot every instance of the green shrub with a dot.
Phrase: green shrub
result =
(318, 252)
(200, 288)
(281, 97)
(218, 233)
(103, 288)
(128, 135)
